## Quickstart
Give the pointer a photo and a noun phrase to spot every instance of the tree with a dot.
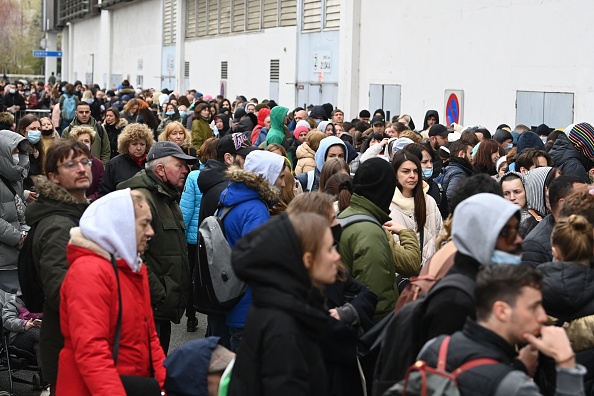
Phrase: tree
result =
(19, 36)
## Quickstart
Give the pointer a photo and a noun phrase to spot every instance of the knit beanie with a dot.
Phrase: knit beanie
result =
(375, 180)
(529, 139)
(298, 131)
(581, 137)
(261, 106)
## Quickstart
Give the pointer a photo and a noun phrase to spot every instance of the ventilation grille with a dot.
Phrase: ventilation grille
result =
(224, 70)
(187, 70)
(274, 69)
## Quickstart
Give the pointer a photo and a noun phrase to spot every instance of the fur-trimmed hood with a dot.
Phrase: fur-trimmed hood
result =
(122, 124)
(53, 200)
(253, 182)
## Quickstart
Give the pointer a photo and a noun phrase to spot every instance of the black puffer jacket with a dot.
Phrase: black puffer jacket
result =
(211, 181)
(536, 248)
(279, 354)
(119, 169)
(569, 160)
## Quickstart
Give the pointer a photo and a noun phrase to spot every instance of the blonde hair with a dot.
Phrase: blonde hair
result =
(412, 136)
(134, 132)
(164, 136)
(314, 138)
(81, 130)
(573, 239)
(87, 95)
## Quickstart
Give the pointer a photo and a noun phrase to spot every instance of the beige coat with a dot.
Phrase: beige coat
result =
(305, 159)
(402, 212)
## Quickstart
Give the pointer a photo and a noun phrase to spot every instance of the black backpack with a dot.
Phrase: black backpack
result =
(29, 281)
(400, 342)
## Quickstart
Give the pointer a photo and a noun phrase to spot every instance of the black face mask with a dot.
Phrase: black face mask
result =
(47, 132)
(336, 233)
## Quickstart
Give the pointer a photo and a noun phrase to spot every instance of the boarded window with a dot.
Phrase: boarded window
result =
(270, 14)
(201, 16)
(312, 15)
(169, 21)
(224, 16)
(191, 19)
(253, 18)
(288, 13)
(213, 17)
(238, 11)
(332, 18)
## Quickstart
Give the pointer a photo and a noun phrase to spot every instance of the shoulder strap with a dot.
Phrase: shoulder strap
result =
(118, 331)
(358, 218)
(311, 175)
(536, 216)
(458, 281)
(469, 365)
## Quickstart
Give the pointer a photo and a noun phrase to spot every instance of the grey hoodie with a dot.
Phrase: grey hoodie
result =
(477, 222)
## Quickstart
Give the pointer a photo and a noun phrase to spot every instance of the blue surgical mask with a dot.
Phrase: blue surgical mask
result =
(510, 146)
(501, 257)
(182, 113)
(170, 113)
(12, 91)
(427, 173)
(317, 121)
(34, 136)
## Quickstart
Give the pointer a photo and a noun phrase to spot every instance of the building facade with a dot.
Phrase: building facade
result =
(474, 61)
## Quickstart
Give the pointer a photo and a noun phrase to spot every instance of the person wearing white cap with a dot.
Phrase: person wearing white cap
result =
(252, 191)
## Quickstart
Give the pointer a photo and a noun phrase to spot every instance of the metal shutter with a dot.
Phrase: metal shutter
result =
(332, 19)
(253, 16)
(288, 13)
(270, 14)
(213, 17)
(169, 21)
(201, 16)
(312, 15)
(224, 16)
(239, 15)
(191, 18)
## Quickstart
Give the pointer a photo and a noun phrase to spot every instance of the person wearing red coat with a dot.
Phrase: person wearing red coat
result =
(118, 224)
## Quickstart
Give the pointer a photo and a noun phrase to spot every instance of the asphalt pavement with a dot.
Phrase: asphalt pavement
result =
(179, 336)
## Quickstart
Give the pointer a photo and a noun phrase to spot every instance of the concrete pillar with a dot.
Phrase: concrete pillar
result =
(51, 63)
(349, 52)
(66, 55)
(180, 46)
(103, 61)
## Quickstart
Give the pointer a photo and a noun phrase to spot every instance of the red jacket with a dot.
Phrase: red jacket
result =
(88, 316)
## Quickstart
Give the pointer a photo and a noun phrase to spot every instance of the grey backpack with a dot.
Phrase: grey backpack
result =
(216, 287)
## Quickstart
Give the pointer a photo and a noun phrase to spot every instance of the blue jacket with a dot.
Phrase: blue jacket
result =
(252, 196)
(190, 206)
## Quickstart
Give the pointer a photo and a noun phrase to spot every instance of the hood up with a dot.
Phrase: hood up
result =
(8, 142)
(477, 222)
(534, 183)
(325, 144)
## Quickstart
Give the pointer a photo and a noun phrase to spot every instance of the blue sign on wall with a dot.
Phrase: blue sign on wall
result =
(44, 54)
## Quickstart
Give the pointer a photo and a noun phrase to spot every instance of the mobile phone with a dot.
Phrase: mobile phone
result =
(37, 322)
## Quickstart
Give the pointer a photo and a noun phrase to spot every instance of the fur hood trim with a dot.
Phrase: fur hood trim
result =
(267, 191)
(51, 190)
(123, 123)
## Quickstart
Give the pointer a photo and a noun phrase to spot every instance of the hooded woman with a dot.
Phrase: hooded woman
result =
(276, 134)
(29, 127)
(536, 182)
(201, 125)
(288, 314)
(262, 114)
(221, 121)
(104, 265)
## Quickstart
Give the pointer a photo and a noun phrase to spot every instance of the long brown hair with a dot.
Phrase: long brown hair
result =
(340, 186)
(482, 159)
(332, 167)
(418, 193)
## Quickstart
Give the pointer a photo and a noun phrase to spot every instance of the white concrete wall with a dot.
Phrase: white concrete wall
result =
(119, 38)
(248, 58)
(489, 49)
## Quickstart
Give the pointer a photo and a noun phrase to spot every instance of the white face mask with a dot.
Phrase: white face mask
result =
(15, 159)
(88, 145)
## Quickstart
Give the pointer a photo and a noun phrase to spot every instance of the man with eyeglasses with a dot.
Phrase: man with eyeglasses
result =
(59, 207)
(100, 147)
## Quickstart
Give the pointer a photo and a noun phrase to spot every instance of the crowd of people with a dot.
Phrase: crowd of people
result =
(328, 219)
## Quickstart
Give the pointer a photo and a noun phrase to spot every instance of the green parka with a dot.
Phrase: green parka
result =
(373, 258)
(167, 256)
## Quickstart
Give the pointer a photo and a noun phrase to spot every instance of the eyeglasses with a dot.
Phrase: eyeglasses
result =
(73, 165)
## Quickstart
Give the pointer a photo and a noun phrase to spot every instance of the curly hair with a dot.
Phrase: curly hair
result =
(81, 130)
(135, 132)
(164, 136)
